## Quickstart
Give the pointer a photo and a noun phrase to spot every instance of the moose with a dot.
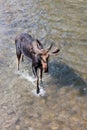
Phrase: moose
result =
(32, 48)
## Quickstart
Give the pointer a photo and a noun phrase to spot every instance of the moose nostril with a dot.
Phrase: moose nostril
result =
(46, 70)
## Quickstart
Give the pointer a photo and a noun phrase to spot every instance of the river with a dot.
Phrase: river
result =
(62, 104)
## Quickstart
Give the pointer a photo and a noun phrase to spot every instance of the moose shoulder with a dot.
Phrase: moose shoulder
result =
(32, 48)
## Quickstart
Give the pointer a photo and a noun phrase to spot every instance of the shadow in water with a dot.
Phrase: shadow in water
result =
(63, 75)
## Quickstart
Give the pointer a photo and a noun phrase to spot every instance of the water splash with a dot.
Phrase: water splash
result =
(25, 75)
(42, 92)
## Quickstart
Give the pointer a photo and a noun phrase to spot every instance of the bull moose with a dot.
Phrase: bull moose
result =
(32, 48)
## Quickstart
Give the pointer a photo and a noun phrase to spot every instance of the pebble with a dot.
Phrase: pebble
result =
(17, 127)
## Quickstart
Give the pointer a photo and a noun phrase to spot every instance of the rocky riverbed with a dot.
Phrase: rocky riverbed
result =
(62, 103)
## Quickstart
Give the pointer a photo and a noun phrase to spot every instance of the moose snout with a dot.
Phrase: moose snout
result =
(45, 67)
(45, 70)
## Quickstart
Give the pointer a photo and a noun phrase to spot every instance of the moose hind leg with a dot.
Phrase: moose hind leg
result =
(22, 58)
(18, 57)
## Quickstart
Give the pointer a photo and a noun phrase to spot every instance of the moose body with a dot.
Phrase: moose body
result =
(27, 46)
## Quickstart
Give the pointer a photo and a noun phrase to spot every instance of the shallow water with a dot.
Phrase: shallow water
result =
(62, 103)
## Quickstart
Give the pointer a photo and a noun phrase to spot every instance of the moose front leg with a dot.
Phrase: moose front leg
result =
(38, 89)
(34, 69)
(40, 76)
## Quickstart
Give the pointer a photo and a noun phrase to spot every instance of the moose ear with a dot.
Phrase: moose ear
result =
(54, 52)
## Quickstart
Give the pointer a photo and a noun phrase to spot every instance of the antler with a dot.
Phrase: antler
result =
(54, 52)
(49, 48)
(37, 49)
